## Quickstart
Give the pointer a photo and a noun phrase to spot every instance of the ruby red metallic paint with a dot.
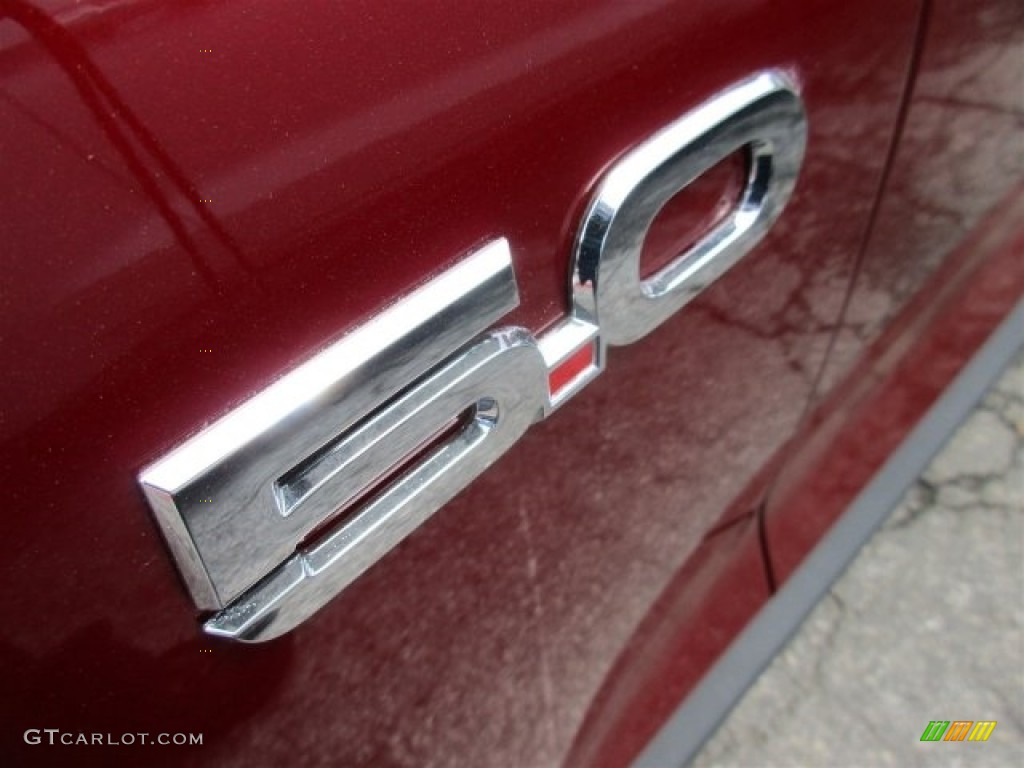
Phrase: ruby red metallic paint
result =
(958, 170)
(197, 196)
(900, 375)
(836, 453)
(693, 212)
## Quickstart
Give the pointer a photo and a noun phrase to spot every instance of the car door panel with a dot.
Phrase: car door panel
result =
(209, 194)
(942, 266)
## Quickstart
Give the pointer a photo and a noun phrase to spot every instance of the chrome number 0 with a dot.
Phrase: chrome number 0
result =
(765, 116)
(405, 411)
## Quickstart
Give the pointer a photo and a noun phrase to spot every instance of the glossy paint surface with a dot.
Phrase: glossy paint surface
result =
(198, 196)
(864, 419)
(952, 203)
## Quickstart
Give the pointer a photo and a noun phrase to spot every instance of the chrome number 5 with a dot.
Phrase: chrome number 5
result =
(399, 415)
(236, 501)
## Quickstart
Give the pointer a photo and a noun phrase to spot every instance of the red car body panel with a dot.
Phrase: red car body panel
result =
(944, 264)
(842, 444)
(199, 196)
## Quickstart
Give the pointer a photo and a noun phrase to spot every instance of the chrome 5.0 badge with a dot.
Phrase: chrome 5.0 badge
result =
(403, 412)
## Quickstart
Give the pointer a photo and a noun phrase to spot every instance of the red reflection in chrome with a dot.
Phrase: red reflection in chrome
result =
(572, 367)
